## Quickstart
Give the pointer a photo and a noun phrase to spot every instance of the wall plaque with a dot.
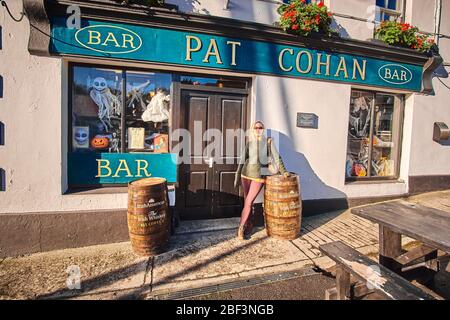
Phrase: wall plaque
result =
(307, 120)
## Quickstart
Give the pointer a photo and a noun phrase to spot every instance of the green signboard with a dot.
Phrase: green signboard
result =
(176, 47)
(119, 168)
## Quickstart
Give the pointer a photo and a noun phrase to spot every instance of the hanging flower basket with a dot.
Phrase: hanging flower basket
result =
(301, 18)
(403, 35)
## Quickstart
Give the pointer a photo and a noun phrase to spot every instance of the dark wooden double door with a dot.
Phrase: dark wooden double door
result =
(206, 188)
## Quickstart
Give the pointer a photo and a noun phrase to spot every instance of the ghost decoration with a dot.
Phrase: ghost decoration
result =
(157, 109)
(136, 100)
(80, 137)
(108, 104)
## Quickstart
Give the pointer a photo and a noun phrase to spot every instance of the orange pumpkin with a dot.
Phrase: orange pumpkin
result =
(99, 142)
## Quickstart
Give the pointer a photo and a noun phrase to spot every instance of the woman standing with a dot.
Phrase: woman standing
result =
(252, 170)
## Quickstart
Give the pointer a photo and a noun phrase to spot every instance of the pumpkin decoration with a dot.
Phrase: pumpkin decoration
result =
(360, 170)
(100, 142)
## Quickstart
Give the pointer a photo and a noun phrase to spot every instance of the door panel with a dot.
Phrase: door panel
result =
(198, 112)
(206, 184)
(194, 196)
(230, 115)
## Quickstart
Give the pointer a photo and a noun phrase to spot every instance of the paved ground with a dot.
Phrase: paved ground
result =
(209, 256)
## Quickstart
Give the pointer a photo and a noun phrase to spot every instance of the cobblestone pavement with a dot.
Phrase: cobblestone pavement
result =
(202, 253)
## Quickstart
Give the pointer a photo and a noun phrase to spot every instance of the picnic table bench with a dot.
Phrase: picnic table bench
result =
(428, 225)
(374, 277)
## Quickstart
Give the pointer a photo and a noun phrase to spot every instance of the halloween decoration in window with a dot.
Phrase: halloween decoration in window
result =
(147, 110)
(105, 119)
(96, 109)
(373, 135)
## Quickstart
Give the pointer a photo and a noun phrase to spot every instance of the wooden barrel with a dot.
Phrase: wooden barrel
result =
(148, 216)
(282, 207)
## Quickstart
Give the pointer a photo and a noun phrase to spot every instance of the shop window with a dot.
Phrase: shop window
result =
(101, 122)
(374, 136)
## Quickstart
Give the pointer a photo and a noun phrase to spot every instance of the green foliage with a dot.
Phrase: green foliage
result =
(403, 35)
(303, 19)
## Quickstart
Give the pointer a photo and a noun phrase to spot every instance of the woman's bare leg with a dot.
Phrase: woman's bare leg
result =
(253, 191)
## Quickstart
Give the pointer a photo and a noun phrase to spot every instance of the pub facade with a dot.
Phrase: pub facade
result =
(96, 94)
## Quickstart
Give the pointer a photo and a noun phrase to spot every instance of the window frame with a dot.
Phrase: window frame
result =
(398, 124)
(399, 12)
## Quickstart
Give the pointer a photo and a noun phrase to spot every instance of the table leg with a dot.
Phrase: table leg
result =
(390, 248)
(342, 283)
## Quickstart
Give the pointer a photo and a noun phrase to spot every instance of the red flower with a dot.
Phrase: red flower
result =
(295, 27)
(405, 26)
(317, 18)
(321, 4)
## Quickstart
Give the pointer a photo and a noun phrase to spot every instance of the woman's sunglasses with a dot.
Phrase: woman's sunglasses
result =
(258, 128)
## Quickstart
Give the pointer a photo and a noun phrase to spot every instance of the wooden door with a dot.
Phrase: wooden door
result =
(206, 183)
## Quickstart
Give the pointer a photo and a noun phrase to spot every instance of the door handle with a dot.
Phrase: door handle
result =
(210, 162)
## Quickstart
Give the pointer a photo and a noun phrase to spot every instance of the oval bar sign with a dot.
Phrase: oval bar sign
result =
(108, 39)
(395, 74)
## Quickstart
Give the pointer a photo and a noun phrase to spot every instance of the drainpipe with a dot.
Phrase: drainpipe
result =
(403, 11)
(225, 4)
(437, 21)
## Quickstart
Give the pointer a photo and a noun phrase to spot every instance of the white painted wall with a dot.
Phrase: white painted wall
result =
(352, 28)
(248, 10)
(428, 110)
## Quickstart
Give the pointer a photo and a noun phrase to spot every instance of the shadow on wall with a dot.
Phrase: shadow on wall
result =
(445, 142)
(339, 28)
(311, 184)
(236, 9)
(188, 5)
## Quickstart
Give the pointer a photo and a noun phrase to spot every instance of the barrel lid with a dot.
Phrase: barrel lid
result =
(148, 182)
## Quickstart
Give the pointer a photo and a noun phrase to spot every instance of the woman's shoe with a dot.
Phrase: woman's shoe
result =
(241, 232)
(248, 229)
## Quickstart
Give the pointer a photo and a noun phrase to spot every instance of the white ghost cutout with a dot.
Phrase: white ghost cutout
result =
(157, 109)
(108, 104)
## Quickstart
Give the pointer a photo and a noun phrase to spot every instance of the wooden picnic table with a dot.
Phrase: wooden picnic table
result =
(396, 218)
